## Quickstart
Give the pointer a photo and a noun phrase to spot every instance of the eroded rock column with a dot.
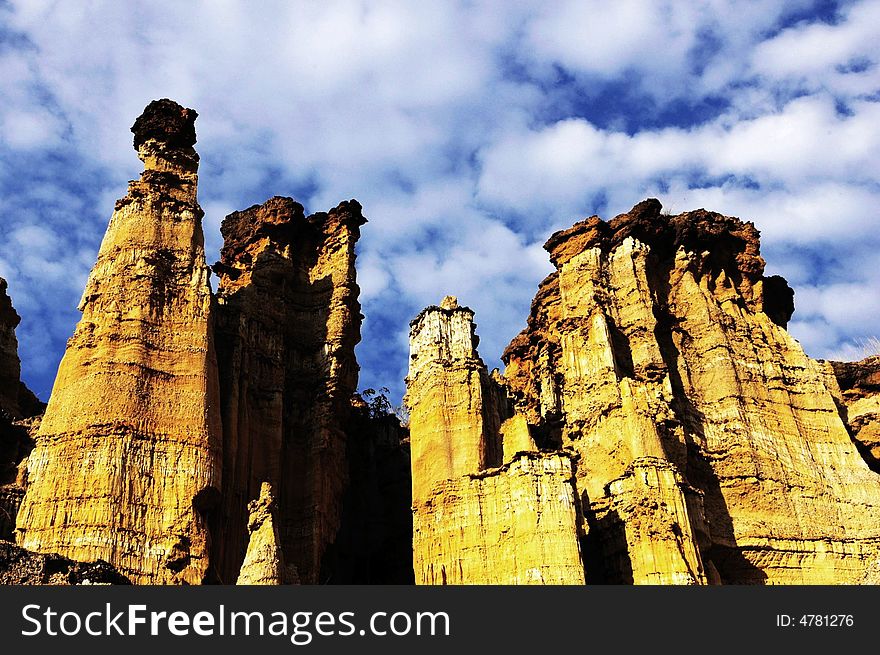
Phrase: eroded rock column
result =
(127, 461)
(289, 319)
(264, 561)
(18, 406)
(454, 413)
(476, 519)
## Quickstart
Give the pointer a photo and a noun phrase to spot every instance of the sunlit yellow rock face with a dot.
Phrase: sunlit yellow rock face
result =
(516, 524)
(126, 466)
(655, 423)
(454, 414)
(263, 562)
(476, 521)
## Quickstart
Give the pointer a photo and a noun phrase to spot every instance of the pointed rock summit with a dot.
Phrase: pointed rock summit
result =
(263, 563)
(127, 461)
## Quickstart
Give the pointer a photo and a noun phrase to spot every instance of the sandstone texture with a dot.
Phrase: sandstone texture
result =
(655, 422)
(288, 322)
(705, 447)
(174, 407)
(515, 524)
(454, 413)
(263, 562)
(126, 466)
(476, 521)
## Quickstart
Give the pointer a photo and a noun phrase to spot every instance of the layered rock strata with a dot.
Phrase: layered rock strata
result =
(643, 528)
(288, 322)
(477, 519)
(455, 414)
(127, 461)
(658, 339)
(514, 524)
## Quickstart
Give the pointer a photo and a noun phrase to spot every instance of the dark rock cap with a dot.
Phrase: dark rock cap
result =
(167, 122)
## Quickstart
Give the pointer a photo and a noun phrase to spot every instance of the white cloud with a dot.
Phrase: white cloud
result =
(818, 54)
(435, 116)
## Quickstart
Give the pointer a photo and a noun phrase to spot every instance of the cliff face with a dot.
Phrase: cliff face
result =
(288, 322)
(126, 466)
(515, 524)
(655, 423)
(659, 343)
(708, 448)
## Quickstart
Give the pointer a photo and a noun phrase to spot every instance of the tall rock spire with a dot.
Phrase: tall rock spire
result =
(288, 322)
(263, 562)
(454, 416)
(488, 508)
(127, 462)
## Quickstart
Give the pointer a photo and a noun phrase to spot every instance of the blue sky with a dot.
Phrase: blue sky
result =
(469, 131)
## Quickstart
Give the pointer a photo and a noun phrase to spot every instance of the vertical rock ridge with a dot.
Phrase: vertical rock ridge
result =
(126, 466)
(288, 322)
(16, 400)
(514, 524)
(455, 413)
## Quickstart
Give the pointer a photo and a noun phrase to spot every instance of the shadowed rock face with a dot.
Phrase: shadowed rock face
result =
(288, 322)
(16, 400)
(18, 407)
(21, 567)
(128, 452)
(166, 122)
(860, 404)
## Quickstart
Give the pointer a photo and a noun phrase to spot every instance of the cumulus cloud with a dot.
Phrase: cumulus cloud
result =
(468, 131)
